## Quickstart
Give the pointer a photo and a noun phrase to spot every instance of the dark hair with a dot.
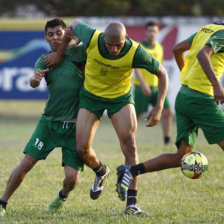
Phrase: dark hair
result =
(151, 23)
(53, 23)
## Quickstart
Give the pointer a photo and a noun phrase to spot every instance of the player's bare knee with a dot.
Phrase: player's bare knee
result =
(27, 163)
(82, 149)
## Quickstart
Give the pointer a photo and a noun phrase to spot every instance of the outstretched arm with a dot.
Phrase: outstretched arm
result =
(155, 113)
(178, 52)
(203, 57)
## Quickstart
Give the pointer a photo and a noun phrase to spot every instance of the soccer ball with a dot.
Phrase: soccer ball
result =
(194, 165)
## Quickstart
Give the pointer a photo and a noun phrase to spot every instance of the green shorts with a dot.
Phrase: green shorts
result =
(51, 134)
(142, 101)
(98, 105)
(198, 110)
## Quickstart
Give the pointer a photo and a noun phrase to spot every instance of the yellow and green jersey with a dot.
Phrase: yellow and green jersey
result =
(157, 52)
(192, 74)
(64, 83)
(109, 76)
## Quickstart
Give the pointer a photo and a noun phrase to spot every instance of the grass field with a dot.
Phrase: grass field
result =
(167, 196)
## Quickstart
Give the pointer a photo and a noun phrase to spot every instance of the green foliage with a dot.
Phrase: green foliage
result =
(120, 7)
(168, 196)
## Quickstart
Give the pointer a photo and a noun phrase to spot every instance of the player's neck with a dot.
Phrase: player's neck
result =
(150, 42)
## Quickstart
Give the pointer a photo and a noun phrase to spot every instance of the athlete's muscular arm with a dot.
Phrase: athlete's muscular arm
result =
(155, 113)
(36, 78)
(178, 52)
(145, 88)
(203, 57)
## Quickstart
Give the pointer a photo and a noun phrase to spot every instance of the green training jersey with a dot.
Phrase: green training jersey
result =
(142, 58)
(64, 83)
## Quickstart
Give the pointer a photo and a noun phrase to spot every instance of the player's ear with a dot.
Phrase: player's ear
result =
(126, 36)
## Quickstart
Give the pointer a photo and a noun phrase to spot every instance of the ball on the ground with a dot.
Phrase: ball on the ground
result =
(194, 165)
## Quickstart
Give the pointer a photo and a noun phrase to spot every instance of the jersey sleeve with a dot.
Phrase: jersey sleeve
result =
(217, 41)
(40, 63)
(84, 33)
(143, 59)
(191, 38)
(76, 53)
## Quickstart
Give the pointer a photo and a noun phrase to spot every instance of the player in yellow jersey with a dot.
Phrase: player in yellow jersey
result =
(196, 103)
(146, 86)
(111, 57)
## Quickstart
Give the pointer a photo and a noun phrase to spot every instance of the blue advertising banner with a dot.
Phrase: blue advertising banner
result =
(19, 50)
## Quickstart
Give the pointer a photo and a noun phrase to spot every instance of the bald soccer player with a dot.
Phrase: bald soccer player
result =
(111, 57)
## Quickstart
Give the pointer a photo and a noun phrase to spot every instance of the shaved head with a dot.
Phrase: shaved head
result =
(115, 29)
(115, 36)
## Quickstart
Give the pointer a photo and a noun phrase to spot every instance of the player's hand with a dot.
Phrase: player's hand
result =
(154, 116)
(146, 90)
(39, 74)
(52, 60)
(218, 94)
(70, 34)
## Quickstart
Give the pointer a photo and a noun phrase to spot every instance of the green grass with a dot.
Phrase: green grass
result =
(168, 196)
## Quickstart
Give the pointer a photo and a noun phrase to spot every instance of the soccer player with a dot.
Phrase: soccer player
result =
(56, 127)
(146, 86)
(196, 103)
(111, 57)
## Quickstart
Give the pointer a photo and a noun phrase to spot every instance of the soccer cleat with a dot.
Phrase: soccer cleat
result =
(124, 179)
(97, 186)
(134, 210)
(56, 204)
(2, 211)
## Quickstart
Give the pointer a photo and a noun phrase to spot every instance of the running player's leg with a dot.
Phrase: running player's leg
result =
(70, 181)
(168, 160)
(165, 161)
(15, 180)
(86, 127)
(18, 175)
(125, 124)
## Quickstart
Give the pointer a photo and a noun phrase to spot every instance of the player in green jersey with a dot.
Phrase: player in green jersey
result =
(57, 125)
(146, 86)
(111, 57)
(196, 103)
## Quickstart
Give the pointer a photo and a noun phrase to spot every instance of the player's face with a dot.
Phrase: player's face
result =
(114, 44)
(54, 37)
(151, 33)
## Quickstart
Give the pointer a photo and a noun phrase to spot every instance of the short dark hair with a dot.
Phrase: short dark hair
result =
(53, 23)
(151, 23)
